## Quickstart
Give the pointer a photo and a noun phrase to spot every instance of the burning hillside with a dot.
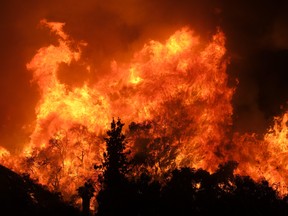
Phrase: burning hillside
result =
(175, 99)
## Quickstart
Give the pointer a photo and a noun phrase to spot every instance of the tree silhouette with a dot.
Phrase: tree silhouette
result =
(179, 192)
(114, 198)
(115, 159)
(86, 192)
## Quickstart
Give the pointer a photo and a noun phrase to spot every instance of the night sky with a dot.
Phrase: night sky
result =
(257, 43)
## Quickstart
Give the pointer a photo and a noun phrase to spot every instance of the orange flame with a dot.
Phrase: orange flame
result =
(4, 154)
(178, 97)
(265, 157)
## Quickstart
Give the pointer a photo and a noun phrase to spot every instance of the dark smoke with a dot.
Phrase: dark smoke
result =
(257, 41)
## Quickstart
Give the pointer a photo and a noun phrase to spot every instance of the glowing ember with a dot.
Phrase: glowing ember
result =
(176, 96)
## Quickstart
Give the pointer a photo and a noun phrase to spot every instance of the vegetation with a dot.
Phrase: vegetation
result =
(182, 191)
(185, 191)
(20, 195)
(115, 195)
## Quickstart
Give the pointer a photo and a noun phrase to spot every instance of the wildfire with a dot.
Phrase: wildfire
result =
(264, 157)
(175, 97)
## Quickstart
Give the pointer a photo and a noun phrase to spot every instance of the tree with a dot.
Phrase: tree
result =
(86, 192)
(112, 198)
(179, 193)
(115, 164)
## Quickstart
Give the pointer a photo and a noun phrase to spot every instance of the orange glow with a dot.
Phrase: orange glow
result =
(175, 92)
(265, 157)
(3, 154)
(178, 85)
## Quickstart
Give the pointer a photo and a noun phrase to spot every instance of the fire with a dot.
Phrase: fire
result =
(277, 135)
(265, 157)
(4, 154)
(277, 140)
(175, 97)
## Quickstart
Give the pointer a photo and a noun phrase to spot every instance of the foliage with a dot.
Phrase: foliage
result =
(113, 198)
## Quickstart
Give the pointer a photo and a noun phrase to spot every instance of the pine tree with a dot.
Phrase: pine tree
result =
(115, 159)
(114, 184)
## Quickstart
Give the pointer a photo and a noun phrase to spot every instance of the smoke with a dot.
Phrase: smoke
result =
(255, 33)
(257, 41)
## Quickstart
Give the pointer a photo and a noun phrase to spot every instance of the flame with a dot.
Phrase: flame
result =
(175, 97)
(265, 157)
(277, 141)
(4, 153)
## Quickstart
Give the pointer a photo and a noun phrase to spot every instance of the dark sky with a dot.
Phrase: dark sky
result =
(257, 42)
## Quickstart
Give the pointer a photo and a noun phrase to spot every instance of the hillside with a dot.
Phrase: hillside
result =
(19, 195)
